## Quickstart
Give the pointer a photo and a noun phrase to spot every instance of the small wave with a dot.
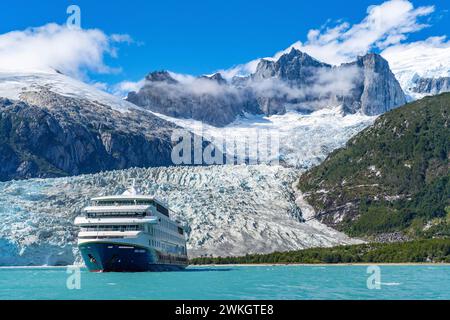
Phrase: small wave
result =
(389, 283)
(32, 267)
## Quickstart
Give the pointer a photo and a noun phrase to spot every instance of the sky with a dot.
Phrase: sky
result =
(121, 41)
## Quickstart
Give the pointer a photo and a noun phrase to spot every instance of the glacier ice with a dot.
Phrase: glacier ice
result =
(227, 210)
(421, 60)
(305, 139)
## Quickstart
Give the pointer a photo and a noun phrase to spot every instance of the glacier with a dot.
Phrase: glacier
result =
(306, 139)
(226, 210)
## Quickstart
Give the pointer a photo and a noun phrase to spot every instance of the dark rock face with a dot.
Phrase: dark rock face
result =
(295, 81)
(217, 77)
(207, 99)
(432, 85)
(295, 67)
(366, 85)
(160, 76)
(376, 89)
(49, 135)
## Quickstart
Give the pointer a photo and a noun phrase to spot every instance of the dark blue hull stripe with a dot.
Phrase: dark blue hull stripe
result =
(109, 257)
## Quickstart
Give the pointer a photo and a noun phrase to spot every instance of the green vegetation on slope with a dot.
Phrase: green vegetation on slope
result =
(434, 250)
(394, 176)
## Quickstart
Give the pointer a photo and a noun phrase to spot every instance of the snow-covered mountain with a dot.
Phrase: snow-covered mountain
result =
(422, 68)
(296, 81)
(305, 140)
(416, 87)
(13, 84)
(227, 210)
(52, 125)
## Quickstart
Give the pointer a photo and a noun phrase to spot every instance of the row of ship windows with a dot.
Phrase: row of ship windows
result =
(124, 203)
(159, 208)
(171, 226)
(108, 237)
(164, 235)
(122, 214)
(167, 247)
(115, 215)
(122, 228)
(170, 259)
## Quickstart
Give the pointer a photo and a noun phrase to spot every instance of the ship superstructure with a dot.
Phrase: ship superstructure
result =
(130, 233)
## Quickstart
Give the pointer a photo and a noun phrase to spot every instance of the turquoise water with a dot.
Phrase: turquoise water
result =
(261, 282)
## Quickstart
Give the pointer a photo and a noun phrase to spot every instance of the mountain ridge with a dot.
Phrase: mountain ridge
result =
(54, 126)
(294, 81)
(391, 178)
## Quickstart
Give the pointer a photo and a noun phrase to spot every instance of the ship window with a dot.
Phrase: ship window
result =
(123, 202)
(162, 209)
(107, 214)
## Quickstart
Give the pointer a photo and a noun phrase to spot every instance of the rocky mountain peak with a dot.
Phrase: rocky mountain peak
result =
(296, 56)
(264, 70)
(382, 92)
(292, 66)
(296, 81)
(160, 76)
(373, 61)
(217, 77)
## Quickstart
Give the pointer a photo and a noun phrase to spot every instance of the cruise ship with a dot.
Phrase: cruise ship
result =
(130, 233)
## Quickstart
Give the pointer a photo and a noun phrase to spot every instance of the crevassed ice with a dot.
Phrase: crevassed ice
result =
(305, 139)
(228, 210)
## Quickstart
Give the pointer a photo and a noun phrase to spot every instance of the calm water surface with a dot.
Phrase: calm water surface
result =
(256, 282)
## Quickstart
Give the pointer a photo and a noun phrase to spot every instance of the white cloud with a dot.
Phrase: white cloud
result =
(186, 85)
(189, 85)
(69, 50)
(385, 28)
(327, 84)
(100, 85)
(386, 24)
(122, 38)
(123, 88)
(241, 70)
(428, 58)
